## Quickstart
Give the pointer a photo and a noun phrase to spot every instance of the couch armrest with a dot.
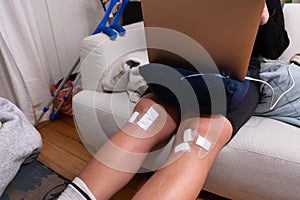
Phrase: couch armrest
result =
(99, 54)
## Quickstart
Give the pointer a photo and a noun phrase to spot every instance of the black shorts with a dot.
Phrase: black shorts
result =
(202, 93)
(242, 113)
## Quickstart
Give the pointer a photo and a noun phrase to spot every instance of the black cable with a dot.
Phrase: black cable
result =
(103, 5)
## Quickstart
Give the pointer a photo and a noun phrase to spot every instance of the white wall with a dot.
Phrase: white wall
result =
(72, 20)
(64, 23)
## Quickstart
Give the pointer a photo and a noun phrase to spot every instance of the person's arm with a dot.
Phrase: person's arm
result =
(272, 38)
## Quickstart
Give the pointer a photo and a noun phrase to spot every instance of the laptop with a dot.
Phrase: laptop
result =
(205, 35)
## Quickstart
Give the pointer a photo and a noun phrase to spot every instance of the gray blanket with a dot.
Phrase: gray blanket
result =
(19, 141)
(285, 79)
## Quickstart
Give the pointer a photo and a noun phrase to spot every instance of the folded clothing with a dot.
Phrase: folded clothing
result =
(208, 93)
(123, 75)
(19, 141)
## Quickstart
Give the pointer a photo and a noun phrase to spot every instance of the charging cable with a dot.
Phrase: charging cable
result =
(272, 106)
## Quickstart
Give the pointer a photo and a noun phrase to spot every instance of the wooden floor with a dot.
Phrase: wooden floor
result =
(64, 153)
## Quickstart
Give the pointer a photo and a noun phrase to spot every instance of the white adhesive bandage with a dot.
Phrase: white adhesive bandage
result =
(133, 117)
(183, 147)
(147, 119)
(188, 137)
(203, 142)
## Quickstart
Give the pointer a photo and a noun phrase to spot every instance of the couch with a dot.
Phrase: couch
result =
(261, 162)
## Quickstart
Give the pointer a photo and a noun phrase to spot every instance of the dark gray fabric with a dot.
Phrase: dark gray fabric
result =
(284, 77)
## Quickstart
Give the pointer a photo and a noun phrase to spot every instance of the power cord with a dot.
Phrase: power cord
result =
(272, 106)
(103, 3)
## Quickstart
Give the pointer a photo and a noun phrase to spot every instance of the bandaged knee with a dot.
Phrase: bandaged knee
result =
(191, 137)
(151, 121)
(146, 119)
(77, 190)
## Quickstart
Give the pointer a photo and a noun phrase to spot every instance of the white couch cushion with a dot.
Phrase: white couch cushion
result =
(292, 17)
(104, 58)
(261, 162)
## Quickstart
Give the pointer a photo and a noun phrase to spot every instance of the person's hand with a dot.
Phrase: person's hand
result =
(265, 16)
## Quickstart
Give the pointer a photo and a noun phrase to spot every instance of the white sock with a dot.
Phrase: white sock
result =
(77, 190)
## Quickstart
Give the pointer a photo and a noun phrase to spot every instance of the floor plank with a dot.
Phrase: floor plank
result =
(61, 161)
(67, 144)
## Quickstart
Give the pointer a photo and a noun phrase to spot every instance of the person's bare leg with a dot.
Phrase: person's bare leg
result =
(184, 177)
(118, 160)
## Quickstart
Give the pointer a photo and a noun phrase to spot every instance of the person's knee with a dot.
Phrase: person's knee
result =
(150, 120)
(216, 127)
(145, 103)
(203, 135)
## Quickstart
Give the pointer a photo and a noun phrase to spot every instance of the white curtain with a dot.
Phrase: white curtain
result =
(40, 41)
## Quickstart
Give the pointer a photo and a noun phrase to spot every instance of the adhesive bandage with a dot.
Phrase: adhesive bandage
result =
(133, 117)
(203, 142)
(146, 123)
(191, 136)
(146, 120)
(183, 147)
(188, 137)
